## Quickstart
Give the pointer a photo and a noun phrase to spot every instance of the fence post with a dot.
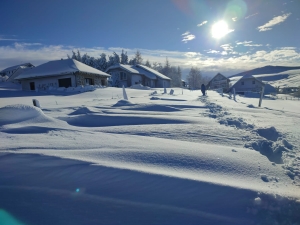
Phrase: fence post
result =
(234, 94)
(261, 95)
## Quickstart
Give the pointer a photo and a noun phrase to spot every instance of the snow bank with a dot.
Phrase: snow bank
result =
(123, 102)
(83, 110)
(19, 113)
(140, 87)
(80, 88)
(154, 107)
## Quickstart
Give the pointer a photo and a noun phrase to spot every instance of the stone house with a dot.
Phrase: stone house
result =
(61, 73)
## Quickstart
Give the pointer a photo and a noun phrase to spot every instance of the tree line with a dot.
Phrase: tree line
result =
(194, 78)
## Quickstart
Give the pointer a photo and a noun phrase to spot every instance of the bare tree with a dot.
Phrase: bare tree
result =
(194, 78)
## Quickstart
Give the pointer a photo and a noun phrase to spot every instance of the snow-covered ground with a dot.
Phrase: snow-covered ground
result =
(94, 158)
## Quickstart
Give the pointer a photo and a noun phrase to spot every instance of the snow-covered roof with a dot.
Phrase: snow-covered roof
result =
(128, 68)
(233, 82)
(60, 67)
(139, 69)
(154, 71)
(24, 65)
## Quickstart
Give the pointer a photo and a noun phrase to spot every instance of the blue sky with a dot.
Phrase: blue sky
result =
(260, 32)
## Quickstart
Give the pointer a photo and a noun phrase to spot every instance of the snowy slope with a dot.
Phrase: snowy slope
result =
(290, 78)
(92, 158)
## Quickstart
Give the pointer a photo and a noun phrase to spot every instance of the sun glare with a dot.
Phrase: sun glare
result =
(220, 29)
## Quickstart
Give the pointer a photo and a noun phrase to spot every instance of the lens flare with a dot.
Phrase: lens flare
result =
(220, 29)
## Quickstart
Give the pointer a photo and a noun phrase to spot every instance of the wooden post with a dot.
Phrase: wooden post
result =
(36, 103)
(234, 94)
(124, 94)
(261, 96)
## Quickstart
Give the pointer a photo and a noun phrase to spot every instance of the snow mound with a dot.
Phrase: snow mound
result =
(19, 113)
(269, 133)
(140, 87)
(153, 107)
(236, 122)
(83, 110)
(272, 149)
(275, 209)
(167, 99)
(154, 98)
(123, 102)
(96, 120)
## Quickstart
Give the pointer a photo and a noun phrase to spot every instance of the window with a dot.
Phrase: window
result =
(66, 82)
(89, 81)
(243, 83)
(123, 76)
(253, 82)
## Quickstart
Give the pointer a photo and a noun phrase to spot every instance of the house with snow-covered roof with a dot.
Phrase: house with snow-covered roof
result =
(218, 81)
(129, 75)
(249, 83)
(61, 73)
(14, 71)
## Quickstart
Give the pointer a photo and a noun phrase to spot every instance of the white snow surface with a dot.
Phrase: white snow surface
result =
(176, 159)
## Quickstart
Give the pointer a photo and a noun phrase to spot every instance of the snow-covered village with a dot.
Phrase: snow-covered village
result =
(204, 132)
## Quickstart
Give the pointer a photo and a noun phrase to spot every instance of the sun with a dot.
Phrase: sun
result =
(220, 29)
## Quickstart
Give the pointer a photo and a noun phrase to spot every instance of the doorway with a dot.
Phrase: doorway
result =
(32, 86)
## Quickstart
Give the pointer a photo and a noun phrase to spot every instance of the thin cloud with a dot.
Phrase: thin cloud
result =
(225, 61)
(187, 36)
(227, 47)
(213, 52)
(288, 48)
(243, 42)
(22, 44)
(276, 20)
(251, 16)
(201, 24)
(248, 44)
(234, 19)
(3, 38)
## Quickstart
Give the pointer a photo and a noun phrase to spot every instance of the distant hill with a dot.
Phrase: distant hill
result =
(266, 70)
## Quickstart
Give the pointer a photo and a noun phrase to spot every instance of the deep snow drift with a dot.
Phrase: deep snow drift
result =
(93, 158)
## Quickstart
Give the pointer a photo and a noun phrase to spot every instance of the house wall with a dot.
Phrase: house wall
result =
(115, 77)
(160, 83)
(98, 80)
(136, 79)
(46, 82)
(149, 83)
(248, 85)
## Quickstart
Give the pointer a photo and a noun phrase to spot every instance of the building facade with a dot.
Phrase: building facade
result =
(219, 81)
(129, 75)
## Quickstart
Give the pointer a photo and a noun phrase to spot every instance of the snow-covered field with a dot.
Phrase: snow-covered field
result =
(94, 158)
